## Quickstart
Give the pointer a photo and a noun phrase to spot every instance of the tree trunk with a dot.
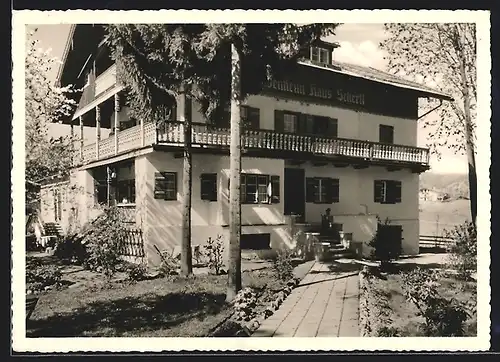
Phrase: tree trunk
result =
(469, 137)
(234, 262)
(186, 257)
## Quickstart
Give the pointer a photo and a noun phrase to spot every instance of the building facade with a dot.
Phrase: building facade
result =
(330, 135)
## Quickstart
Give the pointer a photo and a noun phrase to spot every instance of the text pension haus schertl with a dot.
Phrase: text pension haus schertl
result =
(314, 91)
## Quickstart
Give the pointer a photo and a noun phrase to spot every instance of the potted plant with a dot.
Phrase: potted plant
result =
(321, 250)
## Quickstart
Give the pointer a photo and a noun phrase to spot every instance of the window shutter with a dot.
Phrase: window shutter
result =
(332, 127)
(310, 124)
(302, 123)
(275, 189)
(243, 188)
(311, 185)
(209, 187)
(397, 191)
(328, 185)
(335, 190)
(189, 109)
(378, 186)
(279, 121)
(159, 191)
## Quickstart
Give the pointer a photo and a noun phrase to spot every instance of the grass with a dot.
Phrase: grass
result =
(164, 307)
(403, 314)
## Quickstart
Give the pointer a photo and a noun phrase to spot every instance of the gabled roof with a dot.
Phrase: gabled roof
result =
(379, 76)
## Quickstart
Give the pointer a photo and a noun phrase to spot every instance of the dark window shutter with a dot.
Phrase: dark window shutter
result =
(279, 121)
(275, 189)
(310, 124)
(332, 127)
(311, 185)
(189, 109)
(305, 52)
(302, 123)
(209, 187)
(386, 133)
(243, 188)
(335, 190)
(378, 186)
(160, 186)
(397, 191)
(328, 185)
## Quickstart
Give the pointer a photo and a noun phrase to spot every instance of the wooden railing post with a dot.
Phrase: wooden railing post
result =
(97, 130)
(143, 141)
(80, 119)
(117, 121)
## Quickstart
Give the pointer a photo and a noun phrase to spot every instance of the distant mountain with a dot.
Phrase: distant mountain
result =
(455, 185)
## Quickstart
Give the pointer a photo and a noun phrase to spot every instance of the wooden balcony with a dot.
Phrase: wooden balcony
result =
(105, 81)
(263, 142)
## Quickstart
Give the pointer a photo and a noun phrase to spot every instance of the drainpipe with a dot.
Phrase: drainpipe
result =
(432, 110)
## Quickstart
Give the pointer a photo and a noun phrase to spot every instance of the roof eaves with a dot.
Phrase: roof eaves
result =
(65, 53)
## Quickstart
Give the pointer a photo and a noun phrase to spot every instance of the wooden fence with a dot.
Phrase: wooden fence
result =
(435, 241)
(132, 243)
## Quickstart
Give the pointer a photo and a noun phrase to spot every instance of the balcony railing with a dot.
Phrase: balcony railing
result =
(207, 136)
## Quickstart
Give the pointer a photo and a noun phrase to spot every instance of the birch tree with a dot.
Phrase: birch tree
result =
(445, 55)
(45, 103)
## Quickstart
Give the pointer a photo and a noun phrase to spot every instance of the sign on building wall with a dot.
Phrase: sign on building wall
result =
(308, 84)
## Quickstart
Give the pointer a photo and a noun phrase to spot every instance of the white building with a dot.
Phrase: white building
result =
(331, 135)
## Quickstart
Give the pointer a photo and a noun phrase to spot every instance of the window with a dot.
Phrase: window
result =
(165, 185)
(250, 117)
(321, 55)
(101, 191)
(325, 126)
(208, 186)
(125, 191)
(387, 191)
(290, 122)
(57, 204)
(322, 190)
(259, 189)
(386, 134)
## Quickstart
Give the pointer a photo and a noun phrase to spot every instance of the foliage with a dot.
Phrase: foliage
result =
(168, 265)
(39, 276)
(444, 54)
(282, 265)
(244, 304)
(214, 252)
(434, 52)
(45, 103)
(444, 317)
(155, 60)
(103, 242)
(463, 252)
(388, 332)
(137, 272)
(384, 249)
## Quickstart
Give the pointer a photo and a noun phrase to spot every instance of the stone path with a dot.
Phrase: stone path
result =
(325, 304)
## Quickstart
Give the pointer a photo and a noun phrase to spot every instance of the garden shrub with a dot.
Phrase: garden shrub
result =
(103, 243)
(463, 252)
(137, 272)
(385, 250)
(444, 317)
(39, 276)
(388, 332)
(267, 254)
(282, 265)
(168, 265)
(214, 252)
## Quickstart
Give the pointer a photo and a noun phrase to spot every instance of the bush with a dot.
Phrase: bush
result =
(169, 264)
(214, 252)
(137, 272)
(71, 248)
(282, 265)
(444, 317)
(39, 276)
(103, 243)
(463, 252)
(267, 254)
(388, 332)
(385, 250)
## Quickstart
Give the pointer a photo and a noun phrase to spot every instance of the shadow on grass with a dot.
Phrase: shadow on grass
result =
(128, 316)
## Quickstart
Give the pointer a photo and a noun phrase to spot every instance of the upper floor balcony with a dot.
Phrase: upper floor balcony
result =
(259, 143)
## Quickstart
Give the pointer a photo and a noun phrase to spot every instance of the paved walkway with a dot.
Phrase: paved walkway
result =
(325, 304)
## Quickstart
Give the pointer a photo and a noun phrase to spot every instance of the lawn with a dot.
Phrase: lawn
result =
(402, 314)
(162, 307)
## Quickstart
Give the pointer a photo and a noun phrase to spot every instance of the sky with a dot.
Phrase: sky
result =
(359, 44)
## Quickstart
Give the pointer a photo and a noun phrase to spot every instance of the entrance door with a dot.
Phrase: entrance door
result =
(294, 201)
